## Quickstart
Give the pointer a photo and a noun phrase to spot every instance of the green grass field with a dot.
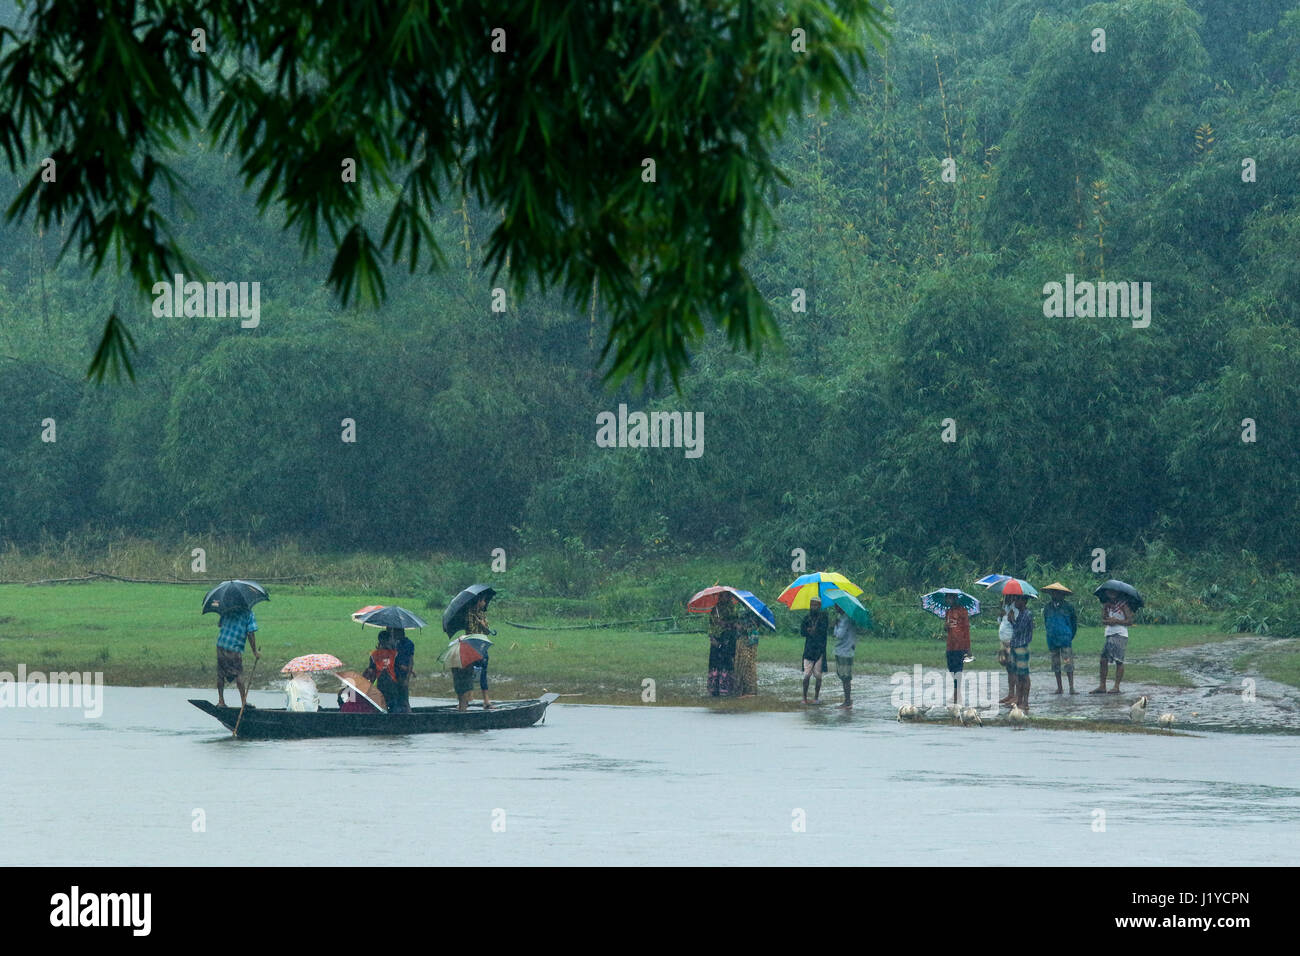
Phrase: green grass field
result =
(1281, 664)
(142, 634)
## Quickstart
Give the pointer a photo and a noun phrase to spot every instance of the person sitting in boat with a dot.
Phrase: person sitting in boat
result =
(358, 695)
(301, 694)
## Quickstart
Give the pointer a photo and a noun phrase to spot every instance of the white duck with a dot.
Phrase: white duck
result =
(1138, 712)
(1017, 716)
(954, 711)
(971, 716)
(1165, 720)
(907, 712)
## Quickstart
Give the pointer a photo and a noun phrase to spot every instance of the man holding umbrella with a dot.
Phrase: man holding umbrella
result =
(476, 622)
(236, 626)
(1118, 602)
(468, 610)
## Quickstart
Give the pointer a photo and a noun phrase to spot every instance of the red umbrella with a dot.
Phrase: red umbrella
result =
(705, 601)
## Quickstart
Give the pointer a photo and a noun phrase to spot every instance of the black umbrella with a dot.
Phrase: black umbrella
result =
(392, 617)
(1134, 599)
(453, 619)
(232, 595)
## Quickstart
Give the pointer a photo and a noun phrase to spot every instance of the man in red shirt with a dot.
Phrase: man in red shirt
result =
(957, 623)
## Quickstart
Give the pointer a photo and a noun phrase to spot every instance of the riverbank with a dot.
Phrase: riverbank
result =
(153, 635)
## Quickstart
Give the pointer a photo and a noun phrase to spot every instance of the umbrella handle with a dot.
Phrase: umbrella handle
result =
(240, 718)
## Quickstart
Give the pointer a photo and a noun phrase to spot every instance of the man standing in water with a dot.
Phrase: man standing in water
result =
(846, 642)
(1021, 637)
(1117, 616)
(236, 626)
(814, 629)
(1062, 625)
(1006, 628)
(956, 624)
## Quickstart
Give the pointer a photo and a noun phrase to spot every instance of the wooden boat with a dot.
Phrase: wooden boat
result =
(279, 724)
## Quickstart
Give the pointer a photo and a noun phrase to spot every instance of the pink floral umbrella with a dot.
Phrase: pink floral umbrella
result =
(311, 662)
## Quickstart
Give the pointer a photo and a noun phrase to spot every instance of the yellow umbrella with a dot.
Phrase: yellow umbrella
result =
(802, 591)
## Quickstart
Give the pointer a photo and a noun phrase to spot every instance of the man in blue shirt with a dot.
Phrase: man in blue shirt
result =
(235, 627)
(1062, 624)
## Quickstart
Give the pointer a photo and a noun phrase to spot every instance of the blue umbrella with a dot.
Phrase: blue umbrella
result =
(758, 607)
(704, 601)
(991, 579)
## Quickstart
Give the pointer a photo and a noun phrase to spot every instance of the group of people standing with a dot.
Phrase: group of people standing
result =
(733, 650)
(1016, 633)
(814, 630)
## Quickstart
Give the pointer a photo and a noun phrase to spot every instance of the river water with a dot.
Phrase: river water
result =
(155, 781)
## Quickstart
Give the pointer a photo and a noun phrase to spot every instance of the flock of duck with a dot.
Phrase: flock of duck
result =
(970, 717)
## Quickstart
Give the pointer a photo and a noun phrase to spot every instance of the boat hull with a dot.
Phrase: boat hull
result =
(278, 724)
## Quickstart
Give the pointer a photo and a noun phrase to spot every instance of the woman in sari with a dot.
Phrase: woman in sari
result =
(723, 628)
(747, 657)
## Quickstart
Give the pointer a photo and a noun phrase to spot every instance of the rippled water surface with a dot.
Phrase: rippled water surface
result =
(636, 784)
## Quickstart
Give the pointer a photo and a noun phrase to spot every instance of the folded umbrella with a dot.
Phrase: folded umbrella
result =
(706, 600)
(232, 595)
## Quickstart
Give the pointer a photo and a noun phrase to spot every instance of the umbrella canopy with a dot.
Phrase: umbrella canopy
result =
(855, 609)
(1134, 599)
(991, 579)
(803, 590)
(390, 617)
(311, 662)
(363, 689)
(453, 619)
(232, 595)
(706, 600)
(936, 602)
(1013, 587)
(358, 615)
(465, 651)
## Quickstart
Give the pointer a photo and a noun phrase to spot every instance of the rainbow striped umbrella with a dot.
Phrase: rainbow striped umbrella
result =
(805, 589)
(1014, 587)
(311, 662)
